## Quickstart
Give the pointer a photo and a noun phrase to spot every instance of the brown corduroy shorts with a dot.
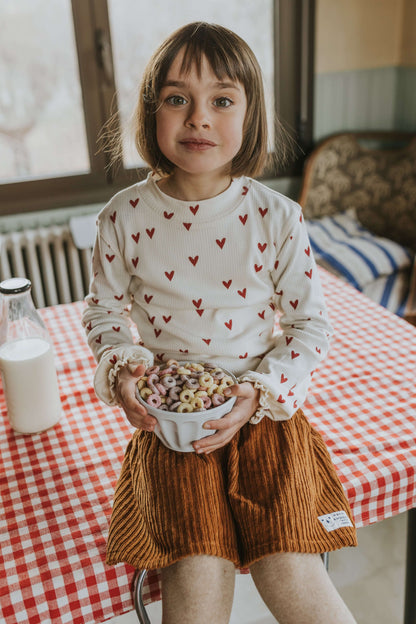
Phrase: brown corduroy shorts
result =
(262, 493)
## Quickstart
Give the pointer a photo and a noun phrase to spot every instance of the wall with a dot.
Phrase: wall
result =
(365, 64)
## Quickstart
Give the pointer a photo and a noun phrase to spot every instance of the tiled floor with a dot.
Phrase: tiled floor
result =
(370, 578)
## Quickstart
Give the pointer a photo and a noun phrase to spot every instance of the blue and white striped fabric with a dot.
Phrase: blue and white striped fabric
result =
(391, 292)
(376, 266)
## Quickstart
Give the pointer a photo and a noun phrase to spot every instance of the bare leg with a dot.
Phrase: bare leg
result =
(197, 590)
(297, 590)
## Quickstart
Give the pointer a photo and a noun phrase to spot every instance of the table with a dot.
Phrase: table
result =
(56, 487)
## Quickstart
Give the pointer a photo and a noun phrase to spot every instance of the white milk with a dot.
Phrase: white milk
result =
(30, 384)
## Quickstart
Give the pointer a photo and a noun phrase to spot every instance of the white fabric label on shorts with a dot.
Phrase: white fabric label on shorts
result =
(335, 520)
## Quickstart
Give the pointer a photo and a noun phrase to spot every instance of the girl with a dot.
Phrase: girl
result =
(200, 256)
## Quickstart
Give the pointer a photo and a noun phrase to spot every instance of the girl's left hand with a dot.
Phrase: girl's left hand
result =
(226, 427)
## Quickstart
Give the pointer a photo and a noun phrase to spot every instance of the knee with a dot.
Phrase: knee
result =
(287, 566)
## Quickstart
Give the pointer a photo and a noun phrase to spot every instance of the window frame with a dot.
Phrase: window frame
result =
(293, 22)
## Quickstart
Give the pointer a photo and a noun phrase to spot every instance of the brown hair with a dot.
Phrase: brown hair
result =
(229, 56)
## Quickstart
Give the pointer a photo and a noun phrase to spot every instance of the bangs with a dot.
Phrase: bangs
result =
(222, 59)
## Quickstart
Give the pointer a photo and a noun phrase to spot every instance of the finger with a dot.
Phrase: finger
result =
(141, 421)
(212, 442)
(229, 420)
(221, 423)
(243, 390)
(136, 371)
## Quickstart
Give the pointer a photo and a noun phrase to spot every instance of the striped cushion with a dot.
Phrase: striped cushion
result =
(343, 246)
(391, 291)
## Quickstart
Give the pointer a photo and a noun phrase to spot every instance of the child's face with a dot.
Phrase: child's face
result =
(200, 119)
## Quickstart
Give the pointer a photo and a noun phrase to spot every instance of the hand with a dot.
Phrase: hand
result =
(226, 427)
(126, 395)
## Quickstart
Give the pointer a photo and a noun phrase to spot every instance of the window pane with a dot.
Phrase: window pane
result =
(137, 28)
(42, 129)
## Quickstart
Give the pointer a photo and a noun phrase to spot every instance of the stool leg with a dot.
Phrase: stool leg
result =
(138, 598)
(325, 559)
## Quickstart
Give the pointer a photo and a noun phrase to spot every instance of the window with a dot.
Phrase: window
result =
(65, 66)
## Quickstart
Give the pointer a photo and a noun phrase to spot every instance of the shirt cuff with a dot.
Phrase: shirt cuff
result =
(111, 362)
(269, 403)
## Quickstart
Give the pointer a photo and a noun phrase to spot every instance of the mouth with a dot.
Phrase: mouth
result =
(197, 144)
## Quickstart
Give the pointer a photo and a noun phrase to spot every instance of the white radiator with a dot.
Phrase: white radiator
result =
(58, 269)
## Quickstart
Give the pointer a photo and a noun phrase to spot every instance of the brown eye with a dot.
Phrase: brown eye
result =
(223, 102)
(176, 100)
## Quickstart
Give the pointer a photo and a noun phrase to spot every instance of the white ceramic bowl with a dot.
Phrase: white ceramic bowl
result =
(177, 430)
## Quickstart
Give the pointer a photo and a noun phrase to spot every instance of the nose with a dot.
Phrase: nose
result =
(198, 117)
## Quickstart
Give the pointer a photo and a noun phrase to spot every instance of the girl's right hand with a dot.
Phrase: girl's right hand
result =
(126, 395)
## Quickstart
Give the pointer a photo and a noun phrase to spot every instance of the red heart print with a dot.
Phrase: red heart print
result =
(183, 350)
(294, 304)
(135, 262)
(94, 300)
(200, 312)
(307, 251)
(197, 303)
(116, 329)
(187, 225)
(243, 357)
(272, 306)
(152, 319)
(276, 264)
(207, 340)
(281, 399)
(110, 258)
(166, 318)
(157, 332)
(229, 324)
(291, 393)
(294, 355)
(258, 267)
(318, 350)
(295, 404)
(279, 293)
(89, 326)
(261, 314)
(227, 284)
(98, 340)
(150, 232)
(243, 219)
(194, 209)
(263, 211)
(168, 215)
(220, 243)
(134, 202)
(262, 246)
(245, 190)
(148, 298)
(160, 356)
(113, 216)
(283, 379)
(170, 275)
(194, 260)
(289, 340)
(300, 218)
(136, 237)
(309, 274)
(118, 297)
(242, 293)
(113, 360)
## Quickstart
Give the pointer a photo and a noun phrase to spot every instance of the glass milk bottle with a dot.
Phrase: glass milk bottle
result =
(26, 361)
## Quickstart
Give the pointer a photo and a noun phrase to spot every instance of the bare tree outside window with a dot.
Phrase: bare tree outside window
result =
(41, 115)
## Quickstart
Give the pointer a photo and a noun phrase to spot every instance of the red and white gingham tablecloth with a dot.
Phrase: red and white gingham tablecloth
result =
(56, 487)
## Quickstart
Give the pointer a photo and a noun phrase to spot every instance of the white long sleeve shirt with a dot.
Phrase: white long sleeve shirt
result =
(203, 281)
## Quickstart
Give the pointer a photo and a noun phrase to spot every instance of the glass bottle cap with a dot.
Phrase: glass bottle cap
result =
(15, 285)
